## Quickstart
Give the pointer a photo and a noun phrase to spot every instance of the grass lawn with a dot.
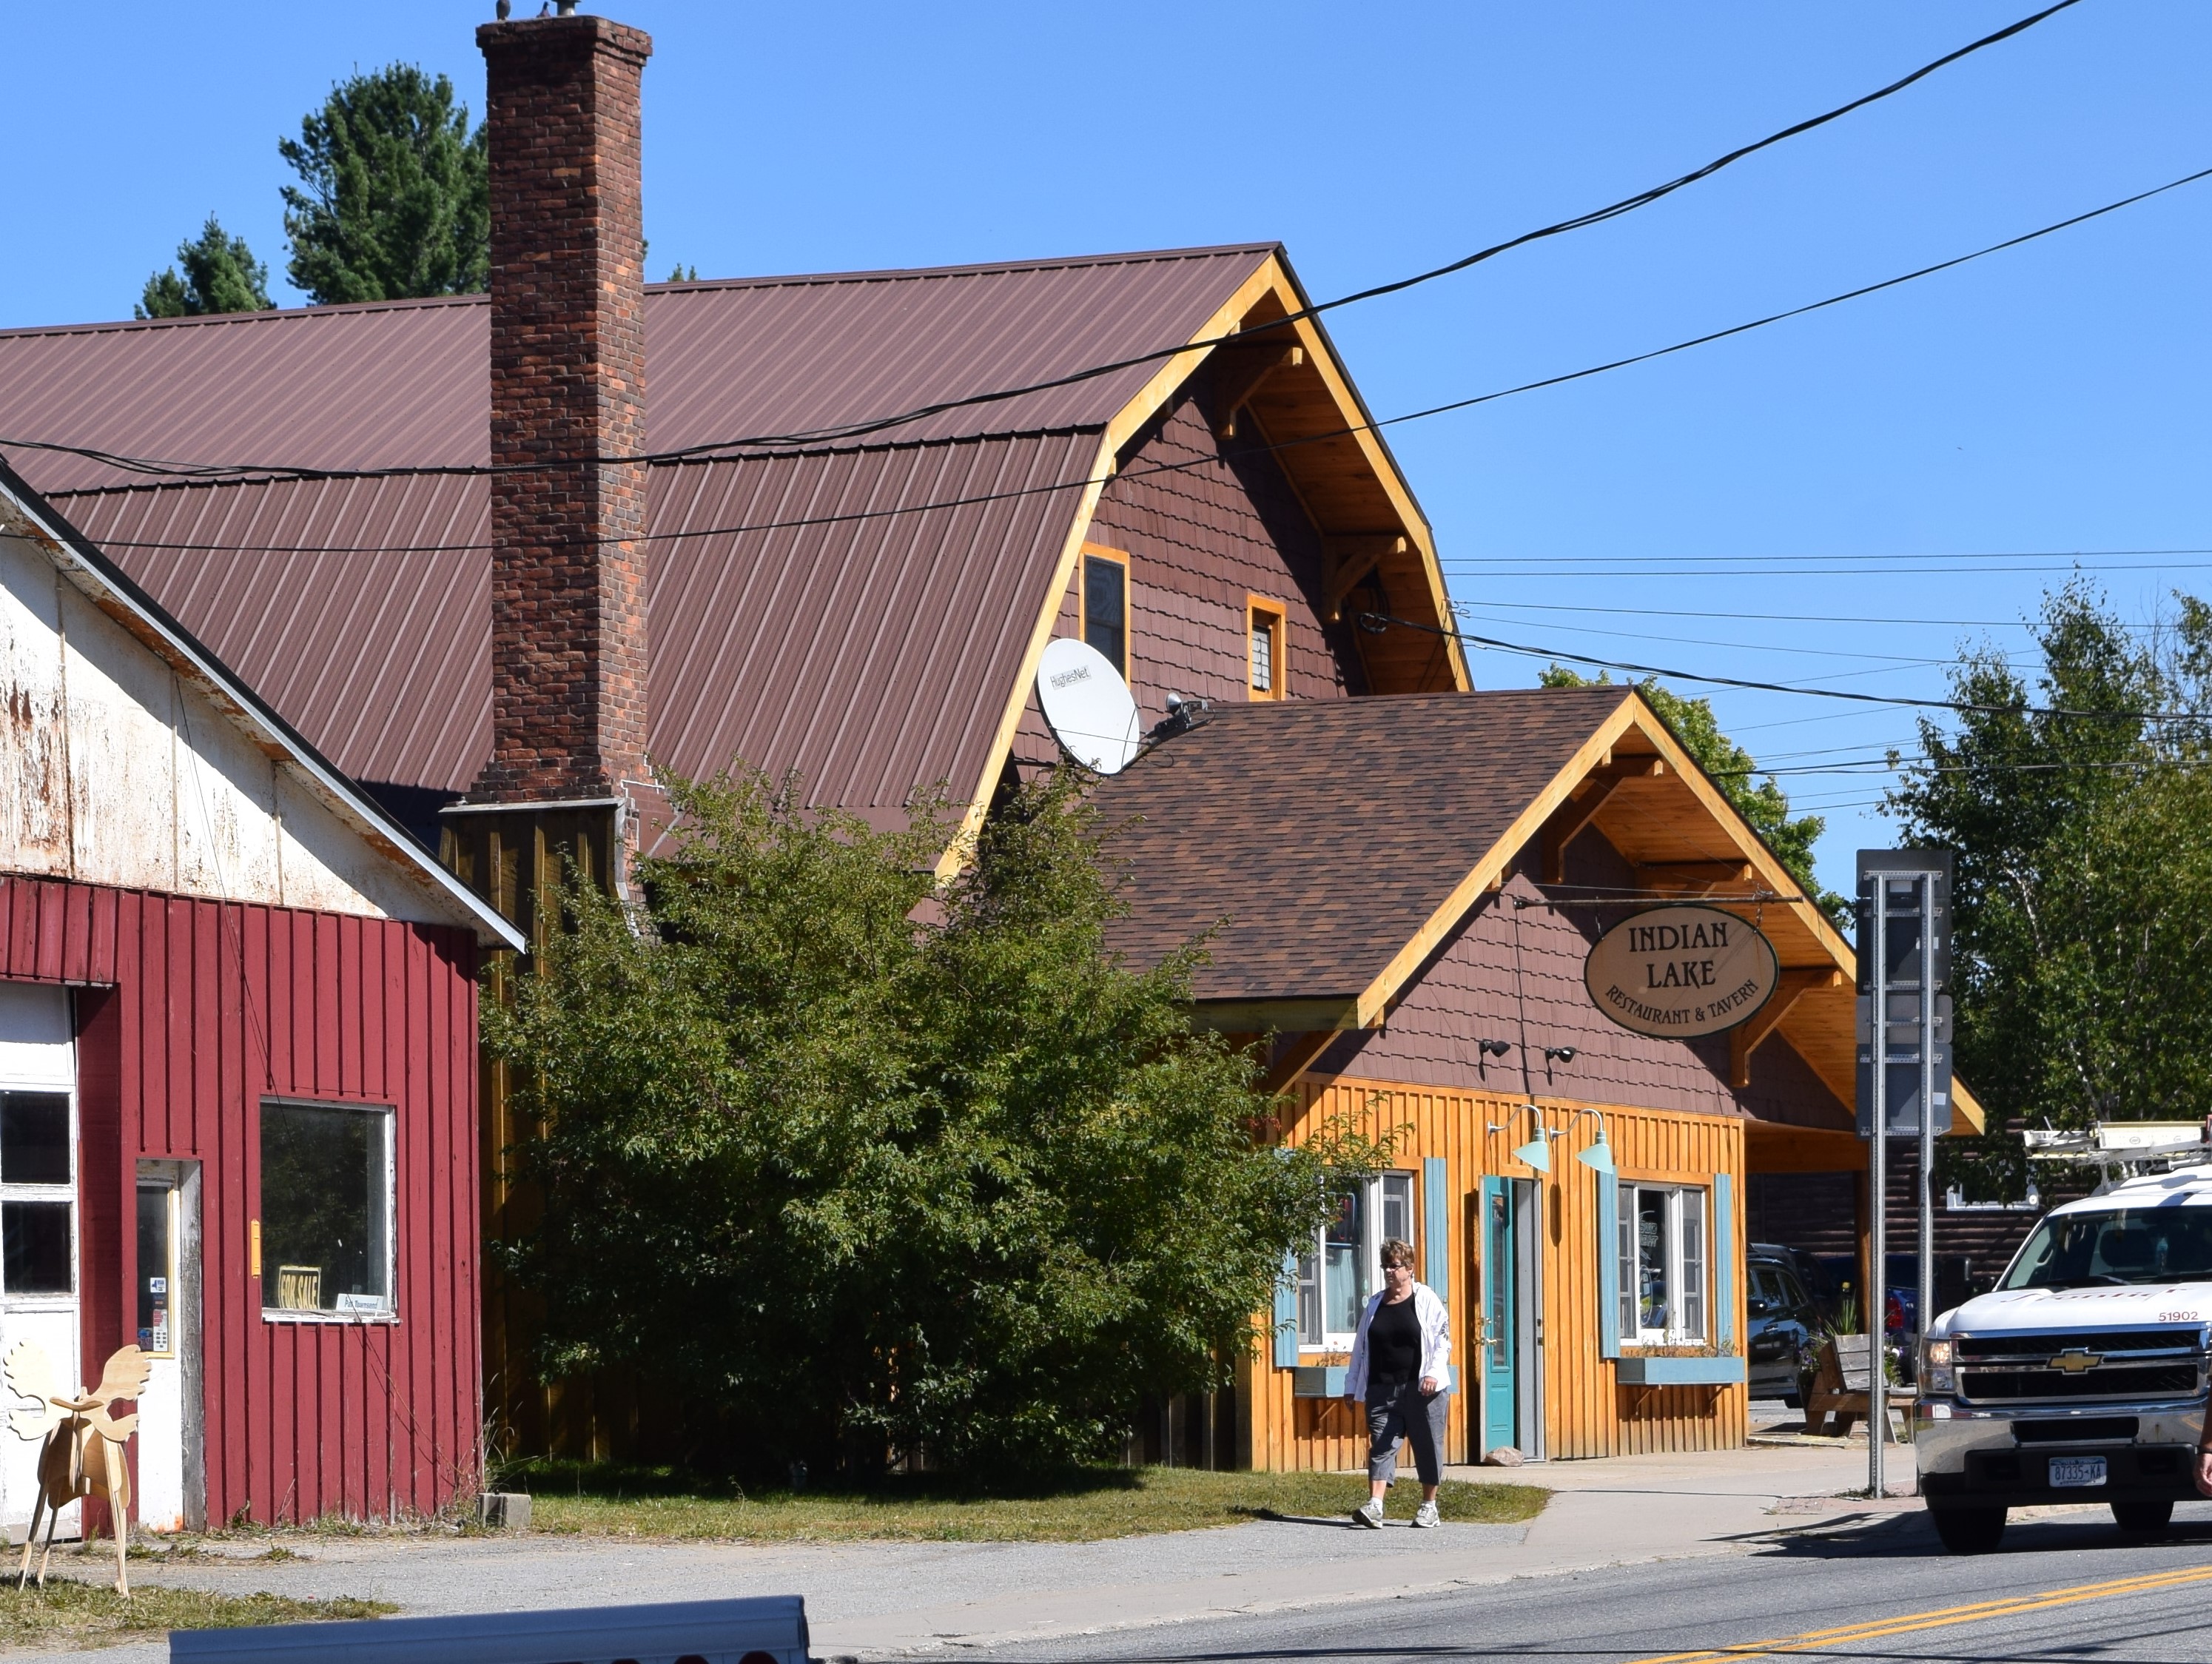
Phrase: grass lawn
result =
(76, 1612)
(599, 1499)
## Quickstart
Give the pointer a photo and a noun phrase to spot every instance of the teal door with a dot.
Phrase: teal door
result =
(1501, 1396)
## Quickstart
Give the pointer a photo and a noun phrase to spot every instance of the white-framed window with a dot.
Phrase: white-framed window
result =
(326, 1206)
(1265, 631)
(37, 1195)
(1345, 1264)
(1664, 1267)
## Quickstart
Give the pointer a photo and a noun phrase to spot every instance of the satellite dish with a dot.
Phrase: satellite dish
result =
(1087, 706)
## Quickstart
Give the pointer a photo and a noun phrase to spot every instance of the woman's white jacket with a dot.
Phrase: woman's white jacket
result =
(1436, 1343)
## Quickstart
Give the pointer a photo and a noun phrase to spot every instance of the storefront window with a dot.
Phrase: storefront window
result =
(326, 1208)
(1662, 1264)
(1344, 1267)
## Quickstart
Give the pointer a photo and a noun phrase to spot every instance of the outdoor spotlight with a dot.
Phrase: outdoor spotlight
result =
(1564, 1054)
(1499, 1048)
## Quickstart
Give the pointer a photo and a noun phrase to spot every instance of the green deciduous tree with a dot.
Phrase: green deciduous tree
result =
(219, 274)
(394, 200)
(864, 1165)
(2083, 933)
(1764, 804)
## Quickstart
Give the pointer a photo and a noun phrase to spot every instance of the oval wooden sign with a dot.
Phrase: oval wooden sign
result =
(1680, 971)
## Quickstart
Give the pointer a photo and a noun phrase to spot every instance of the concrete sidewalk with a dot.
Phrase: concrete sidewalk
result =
(876, 1599)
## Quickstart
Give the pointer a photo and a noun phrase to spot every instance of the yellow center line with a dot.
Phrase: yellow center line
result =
(1941, 1616)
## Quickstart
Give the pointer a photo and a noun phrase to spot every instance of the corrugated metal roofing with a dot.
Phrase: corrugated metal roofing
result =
(378, 647)
(1422, 786)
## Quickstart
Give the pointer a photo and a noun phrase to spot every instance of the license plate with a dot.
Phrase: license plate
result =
(2071, 1471)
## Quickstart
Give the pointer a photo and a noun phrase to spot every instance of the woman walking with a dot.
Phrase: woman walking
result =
(1401, 1370)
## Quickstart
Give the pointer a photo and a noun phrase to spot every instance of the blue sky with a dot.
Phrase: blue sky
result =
(2052, 399)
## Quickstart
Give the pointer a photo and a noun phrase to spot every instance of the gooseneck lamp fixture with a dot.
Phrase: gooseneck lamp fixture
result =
(1537, 1152)
(1598, 1158)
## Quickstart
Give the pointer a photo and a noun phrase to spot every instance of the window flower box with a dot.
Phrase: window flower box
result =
(1671, 1370)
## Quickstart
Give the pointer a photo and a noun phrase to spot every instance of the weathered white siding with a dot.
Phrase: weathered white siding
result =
(118, 769)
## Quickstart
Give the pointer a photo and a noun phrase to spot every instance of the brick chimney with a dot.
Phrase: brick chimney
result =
(568, 384)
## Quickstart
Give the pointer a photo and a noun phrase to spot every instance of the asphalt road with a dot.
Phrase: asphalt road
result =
(2067, 1589)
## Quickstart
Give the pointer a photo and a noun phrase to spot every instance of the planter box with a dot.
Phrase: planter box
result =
(1679, 1372)
(1318, 1381)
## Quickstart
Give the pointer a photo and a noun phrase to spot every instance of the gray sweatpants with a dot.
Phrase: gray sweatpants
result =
(1404, 1413)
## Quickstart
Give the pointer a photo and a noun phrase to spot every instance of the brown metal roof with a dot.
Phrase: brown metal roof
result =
(1320, 836)
(378, 647)
(407, 382)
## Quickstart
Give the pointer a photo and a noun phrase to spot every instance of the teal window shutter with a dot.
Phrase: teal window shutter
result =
(1286, 1314)
(1724, 1257)
(1436, 1225)
(1608, 1266)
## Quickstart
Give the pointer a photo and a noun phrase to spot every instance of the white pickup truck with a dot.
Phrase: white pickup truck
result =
(2081, 1376)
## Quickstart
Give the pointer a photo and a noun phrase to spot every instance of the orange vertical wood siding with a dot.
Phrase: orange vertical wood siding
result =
(1586, 1413)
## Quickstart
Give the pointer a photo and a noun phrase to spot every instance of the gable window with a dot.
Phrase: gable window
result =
(1106, 605)
(1344, 1264)
(1662, 1264)
(1264, 636)
(326, 1209)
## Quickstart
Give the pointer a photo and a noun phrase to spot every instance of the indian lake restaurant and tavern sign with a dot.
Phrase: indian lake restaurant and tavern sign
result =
(1680, 971)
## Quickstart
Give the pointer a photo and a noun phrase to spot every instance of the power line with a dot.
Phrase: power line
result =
(1720, 564)
(1965, 707)
(1487, 605)
(877, 424)
(1731, 564)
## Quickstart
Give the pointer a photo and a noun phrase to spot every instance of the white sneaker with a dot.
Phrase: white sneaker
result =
(1368, 1513)
(1426, 1516)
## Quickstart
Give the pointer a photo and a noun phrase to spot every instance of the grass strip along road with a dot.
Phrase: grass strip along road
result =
(1941, 1617)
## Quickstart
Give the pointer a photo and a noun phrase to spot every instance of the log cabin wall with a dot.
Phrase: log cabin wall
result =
(1586, 1413)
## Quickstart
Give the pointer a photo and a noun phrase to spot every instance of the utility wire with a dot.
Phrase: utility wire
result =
(1386, 621)
(877, 424)
(1727, 563)
(1763, 618)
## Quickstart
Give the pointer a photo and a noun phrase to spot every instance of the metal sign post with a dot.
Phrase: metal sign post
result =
(1903, 1074)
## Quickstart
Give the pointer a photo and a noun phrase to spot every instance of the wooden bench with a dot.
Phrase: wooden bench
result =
(1841, 1386)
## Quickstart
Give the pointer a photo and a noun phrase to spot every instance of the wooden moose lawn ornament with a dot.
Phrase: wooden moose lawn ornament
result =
(84, 1454)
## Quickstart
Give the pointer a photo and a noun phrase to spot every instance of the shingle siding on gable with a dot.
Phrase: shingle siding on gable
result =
(1203, 533)
(1515, 974)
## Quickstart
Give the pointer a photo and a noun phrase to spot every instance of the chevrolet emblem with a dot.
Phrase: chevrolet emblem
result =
(2074, 1359)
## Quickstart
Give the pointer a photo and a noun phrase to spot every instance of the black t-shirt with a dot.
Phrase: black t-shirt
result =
(1393, 1343)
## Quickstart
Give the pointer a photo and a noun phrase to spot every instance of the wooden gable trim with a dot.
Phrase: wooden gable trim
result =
(1149, 400)
(1767, 869)
(1321, 361)
(1601, 757)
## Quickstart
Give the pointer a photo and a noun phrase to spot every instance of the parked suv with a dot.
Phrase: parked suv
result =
(1782, 1321)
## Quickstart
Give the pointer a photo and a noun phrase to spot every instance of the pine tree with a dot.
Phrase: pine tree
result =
(394, 200)
(220, 275)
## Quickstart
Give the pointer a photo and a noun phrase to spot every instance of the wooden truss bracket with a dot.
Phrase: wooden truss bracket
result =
(1346, 561)
(1240, 372)
(1744, 1039)
(1690, 877)
(1582, 806)
(1296, 1053)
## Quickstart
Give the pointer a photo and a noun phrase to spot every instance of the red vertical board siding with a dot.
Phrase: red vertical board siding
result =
(202, 1010)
